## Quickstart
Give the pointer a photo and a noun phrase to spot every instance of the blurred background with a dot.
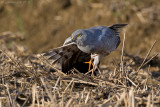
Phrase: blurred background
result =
(45, 24)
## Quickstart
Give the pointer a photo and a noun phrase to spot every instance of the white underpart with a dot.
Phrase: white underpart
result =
(96, 61)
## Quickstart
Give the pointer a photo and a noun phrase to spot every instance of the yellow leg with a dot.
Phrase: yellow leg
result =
(92, 70)
(91, 63)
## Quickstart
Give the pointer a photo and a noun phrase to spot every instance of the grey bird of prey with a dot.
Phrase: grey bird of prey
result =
(86, 44)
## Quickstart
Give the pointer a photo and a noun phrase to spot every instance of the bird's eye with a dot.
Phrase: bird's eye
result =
(79, 35)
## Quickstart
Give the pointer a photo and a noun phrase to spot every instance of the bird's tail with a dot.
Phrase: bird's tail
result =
(117, 28)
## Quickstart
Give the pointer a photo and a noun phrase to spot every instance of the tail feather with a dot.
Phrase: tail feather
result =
(117, 28)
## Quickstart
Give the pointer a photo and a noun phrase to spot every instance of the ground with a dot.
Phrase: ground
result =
(29, 27)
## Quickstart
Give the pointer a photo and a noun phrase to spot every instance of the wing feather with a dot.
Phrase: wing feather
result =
(67, 56)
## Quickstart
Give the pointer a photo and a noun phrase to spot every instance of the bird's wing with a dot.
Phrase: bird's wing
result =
(66, 56)
(60, 55)
(110, 39)
(117, 29)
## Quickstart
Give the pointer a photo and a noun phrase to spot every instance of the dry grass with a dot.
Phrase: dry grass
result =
(27, 81)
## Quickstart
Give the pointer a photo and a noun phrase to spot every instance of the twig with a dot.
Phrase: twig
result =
(55, 88)
(33, 94)
(122, 66)
(87, 98)
(51, 65)
(146, 56)
(131, 98)
(10, 99)
(109, 83)
(152, 98)
(106, 101)
(151, 59)
(49, 94)
(69, 102)
(131, 81)
(56, 83)
(121, 98)
(15, 62)
(149, 101)
(129, 64)
(68, 85)
(88, 72)
(83, 82)
(28, 97)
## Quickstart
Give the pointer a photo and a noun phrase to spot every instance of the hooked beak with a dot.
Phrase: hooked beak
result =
(68, 40)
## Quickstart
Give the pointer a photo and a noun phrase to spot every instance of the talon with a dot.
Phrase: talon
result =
(90, 63)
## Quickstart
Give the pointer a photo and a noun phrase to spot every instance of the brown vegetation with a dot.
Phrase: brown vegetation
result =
(125, 79)
(27, 80)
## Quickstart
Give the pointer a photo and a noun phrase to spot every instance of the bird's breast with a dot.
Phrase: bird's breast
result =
(86, 49)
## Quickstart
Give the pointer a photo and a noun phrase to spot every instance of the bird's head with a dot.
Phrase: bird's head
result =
(77, 35)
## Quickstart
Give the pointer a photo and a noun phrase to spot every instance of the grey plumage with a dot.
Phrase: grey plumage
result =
(98, 41)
